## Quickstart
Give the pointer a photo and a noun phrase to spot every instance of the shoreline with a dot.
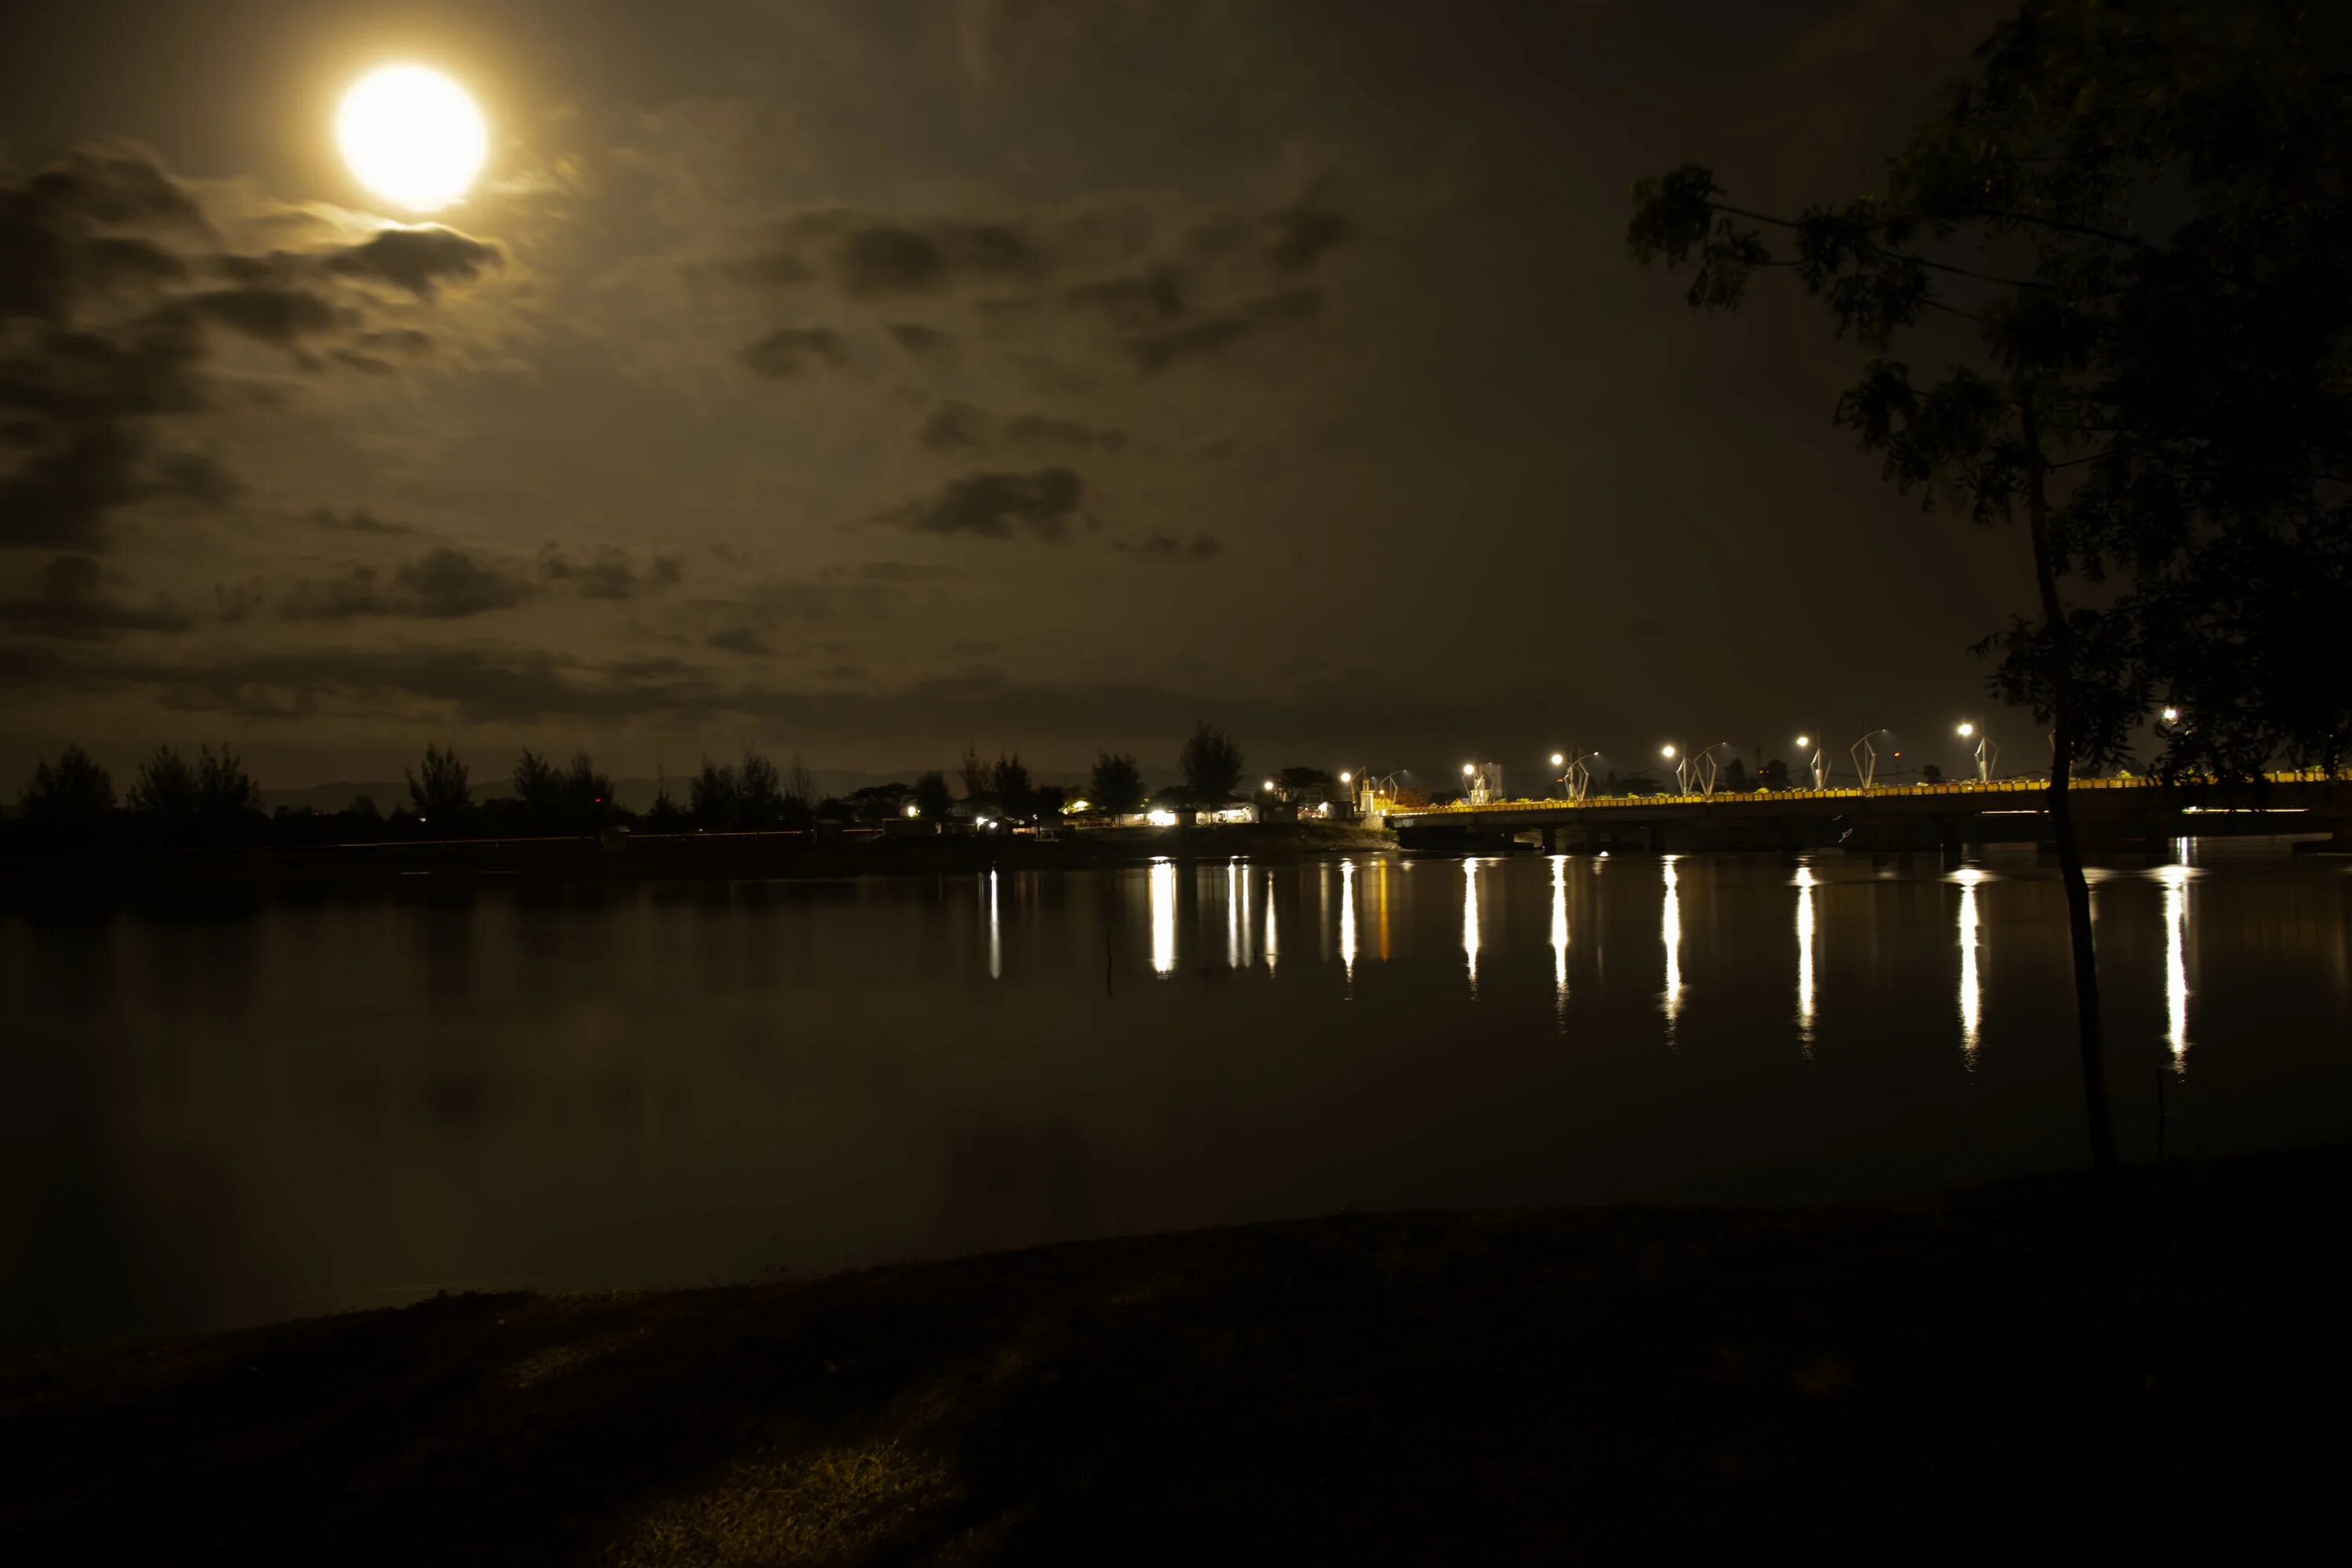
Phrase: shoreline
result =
(1390, 1387)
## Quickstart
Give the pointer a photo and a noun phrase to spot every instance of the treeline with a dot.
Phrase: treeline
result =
(212, 800)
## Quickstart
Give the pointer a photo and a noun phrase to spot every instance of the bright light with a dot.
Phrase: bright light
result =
(1966, 729)
(1346, 778)
(914, 811)
(1269, 785)
(2172, 715)
(412, 136)
(988, 822)
(1469, 768)
(1161, 818)
(1075, 807)
(1804, 740)
(1665, 750)
(1559, 760)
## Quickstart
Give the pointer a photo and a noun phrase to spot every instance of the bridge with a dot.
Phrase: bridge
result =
(2113, 814)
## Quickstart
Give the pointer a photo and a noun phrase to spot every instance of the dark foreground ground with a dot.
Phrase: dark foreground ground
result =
(1913, 1383)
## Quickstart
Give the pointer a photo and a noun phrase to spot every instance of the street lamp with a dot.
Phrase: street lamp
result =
(1682, 767)
(1269, 786)
(1818, 764)
(1578, 778)
(1865, 757)
(1987, 754)
(2171, 715)
(1702, 762)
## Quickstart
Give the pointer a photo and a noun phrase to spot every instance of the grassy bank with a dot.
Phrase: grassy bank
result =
(1443, 1387)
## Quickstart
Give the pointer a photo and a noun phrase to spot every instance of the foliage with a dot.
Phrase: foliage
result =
(1009, 783)
(974, 773)
(440, 788)
(1116, 784)
(166, 787)
(931, 795)
(2163, 335)
(759, 794)
(1774, 775)
(1210, 763)
(66, 804)
(714, 795)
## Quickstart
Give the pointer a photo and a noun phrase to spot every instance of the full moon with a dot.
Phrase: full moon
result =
(412, 136)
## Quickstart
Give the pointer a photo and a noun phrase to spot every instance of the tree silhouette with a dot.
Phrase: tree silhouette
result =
(66, 804)
(714, 797)
(975, 773)
(1117, 785)
(933, 797)
(166, 789)
(1009, 782)
(759, 794)
(2143, 210)
(1212, 766)
(440, 789)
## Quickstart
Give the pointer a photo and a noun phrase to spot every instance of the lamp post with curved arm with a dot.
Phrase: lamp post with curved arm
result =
(1865, 757)
(1703, 762)
(1987, 754)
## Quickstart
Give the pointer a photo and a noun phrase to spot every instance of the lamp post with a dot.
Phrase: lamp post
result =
(1702, 762)
(1987, 754)
(1819, 764)
(1578, 778)
(1865, 757)
(1673, 754)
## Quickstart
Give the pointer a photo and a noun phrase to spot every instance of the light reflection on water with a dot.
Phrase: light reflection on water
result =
(1804, 880)
(2176, 962)
(1559, 935)
(1470, 922)
(1971, 986)
(1671, 934)
(613, 1085)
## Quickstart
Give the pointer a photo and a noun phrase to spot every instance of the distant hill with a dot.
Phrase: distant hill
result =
(636, 794)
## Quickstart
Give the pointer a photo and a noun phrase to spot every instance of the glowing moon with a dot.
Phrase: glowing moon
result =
(412, 136)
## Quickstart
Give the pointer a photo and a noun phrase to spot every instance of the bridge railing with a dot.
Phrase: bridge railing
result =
(1877, 792)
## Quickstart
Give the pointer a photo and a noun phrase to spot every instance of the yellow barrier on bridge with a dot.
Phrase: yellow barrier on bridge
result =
(1878, 792)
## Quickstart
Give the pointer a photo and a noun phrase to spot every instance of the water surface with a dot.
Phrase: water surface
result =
(304, 1106)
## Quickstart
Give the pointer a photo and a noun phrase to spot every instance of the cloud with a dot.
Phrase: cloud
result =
(954, 425)
(892, 259)
(1167, 547)
(1041, 430)
(279, 317)
(417, 259)
(58, 498)
(441, 584)
(67, 600)
(1000, 505)
(916, 338)
(787, 351)
(610, 574)
(951, 424)
(1156, 350)
(1306, 231)
(1140, 299)
(60, 232)
(740, 639)
(357, 520)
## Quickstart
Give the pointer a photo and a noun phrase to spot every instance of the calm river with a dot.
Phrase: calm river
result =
(314, 1105)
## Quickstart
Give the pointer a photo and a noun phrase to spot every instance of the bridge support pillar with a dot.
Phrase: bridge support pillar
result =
(1552, 840)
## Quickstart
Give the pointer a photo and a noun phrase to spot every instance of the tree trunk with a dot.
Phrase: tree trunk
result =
(2091, 1030)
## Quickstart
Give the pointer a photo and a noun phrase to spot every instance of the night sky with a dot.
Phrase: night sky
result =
(863, 378)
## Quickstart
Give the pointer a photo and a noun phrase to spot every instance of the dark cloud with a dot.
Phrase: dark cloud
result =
(441, 584)
(1305, 231)
(951, 426)
(1041, 430)
(1002, 505)
(151, 366)
(1167, 547)
(367, 364)
(279, 317)
(68, 599)
(417, 259)
(954, 425)
(610, 574)
(60, 232)
(1213, 334)
(357, 520)
(787, 351)
(903, 572)
(884, 258)
(403, 340)
(1139, 301)
(58, 499)
(740, 639)
(916, 338)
